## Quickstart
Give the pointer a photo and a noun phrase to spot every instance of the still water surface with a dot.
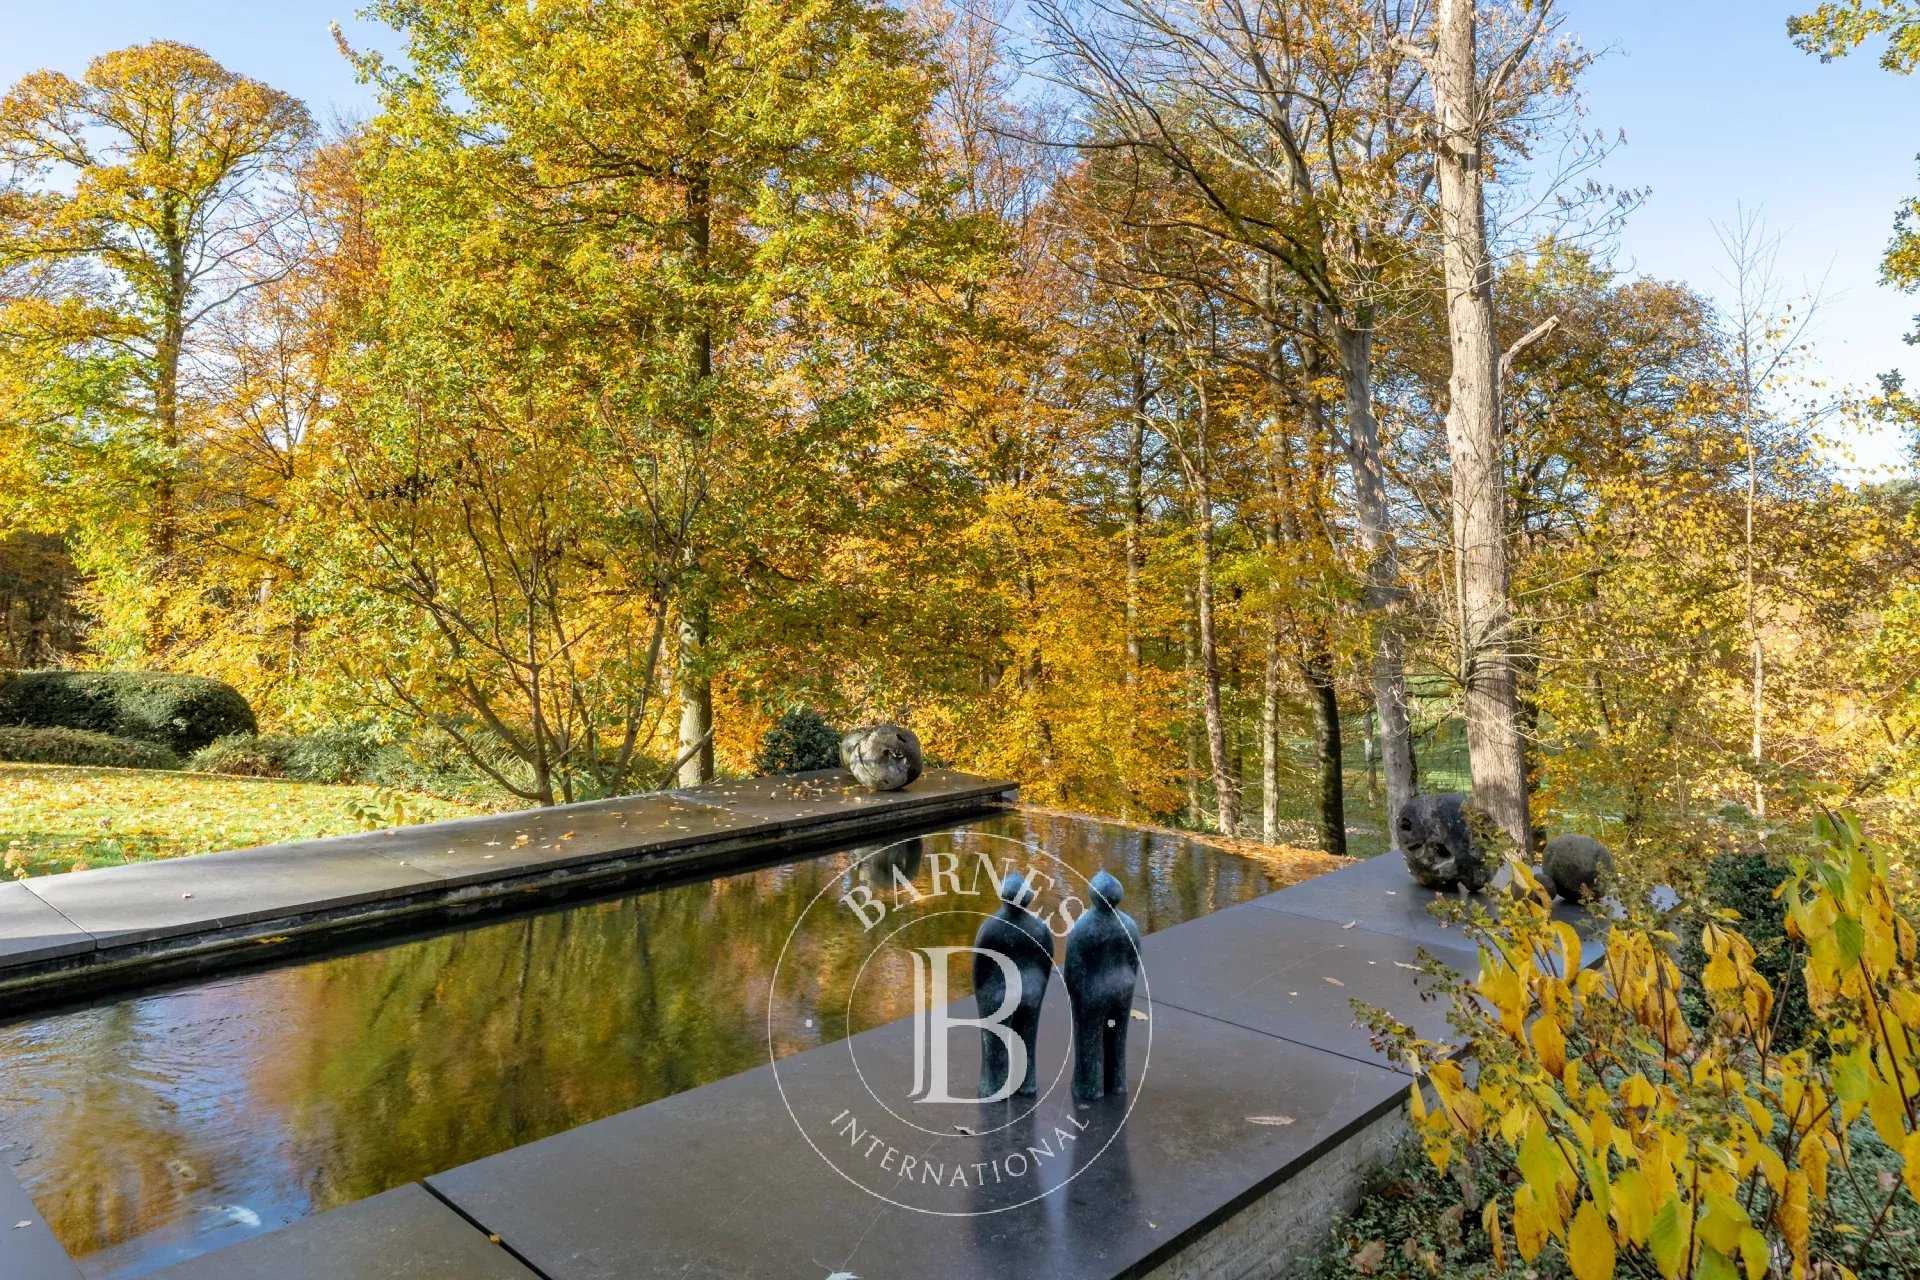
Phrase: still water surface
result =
(157, 1127)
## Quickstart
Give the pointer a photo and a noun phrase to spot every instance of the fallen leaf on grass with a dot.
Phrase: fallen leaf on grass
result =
(1369, 1257)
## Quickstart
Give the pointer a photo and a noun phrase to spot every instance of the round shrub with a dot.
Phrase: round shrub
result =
(245, 755)
(800, 740)
(183, 713)
(82, 747)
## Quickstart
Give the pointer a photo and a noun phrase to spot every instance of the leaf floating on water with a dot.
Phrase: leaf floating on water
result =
(1335, 981)
(1269, 1119)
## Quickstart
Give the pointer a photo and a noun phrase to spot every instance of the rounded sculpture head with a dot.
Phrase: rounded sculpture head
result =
(1572, 866)
(884, 757)
(1107, 891)
(1436, 836)
(1015, 891)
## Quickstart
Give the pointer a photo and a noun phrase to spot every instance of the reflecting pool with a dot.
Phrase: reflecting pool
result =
(154, 1127)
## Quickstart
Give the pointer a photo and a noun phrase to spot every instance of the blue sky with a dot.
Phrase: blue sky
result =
(1719, 111)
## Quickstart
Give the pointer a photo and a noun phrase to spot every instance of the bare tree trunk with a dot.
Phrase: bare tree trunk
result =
(1270, 732)
(1136, 503)
(1196, 811)
(1225, 789)
(1385, 597)
(1332, 807)
(696, 697)
(1474, 445)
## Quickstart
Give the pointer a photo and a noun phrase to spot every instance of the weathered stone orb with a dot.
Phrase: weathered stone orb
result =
(884, 757)
(1570, 866)
(1436, 838)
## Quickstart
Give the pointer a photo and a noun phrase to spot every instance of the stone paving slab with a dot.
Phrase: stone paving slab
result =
(28, 1248)
(149, 901)
(1295, 977)
(718, 1182)
(1378, 894)
(30, 930)
(403, 1234)
(571, 835)
(803, 798)
(152, 900)
(116, 909)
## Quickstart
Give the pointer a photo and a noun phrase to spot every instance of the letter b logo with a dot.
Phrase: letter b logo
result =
(933, 1020)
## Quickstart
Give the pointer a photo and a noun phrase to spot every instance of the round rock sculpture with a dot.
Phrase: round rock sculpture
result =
(885, 757)
(1570, 866)
(1436, 838)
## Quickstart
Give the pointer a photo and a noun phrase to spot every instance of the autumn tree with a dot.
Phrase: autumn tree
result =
(1281, 131)
(136, 200)
(677, 246)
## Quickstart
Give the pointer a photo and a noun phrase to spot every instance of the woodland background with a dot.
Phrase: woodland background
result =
(1079, 397)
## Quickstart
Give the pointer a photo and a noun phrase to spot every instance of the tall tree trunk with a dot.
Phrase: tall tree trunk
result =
(1318, 664)
(1200, 467)
(1474, 445)
(1332, 807)
(1270, 729)
(696, 696)
(693, 680)
(1136, 502)
(1384, 595)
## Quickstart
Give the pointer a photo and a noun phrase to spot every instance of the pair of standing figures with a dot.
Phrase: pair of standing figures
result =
(1102, 965)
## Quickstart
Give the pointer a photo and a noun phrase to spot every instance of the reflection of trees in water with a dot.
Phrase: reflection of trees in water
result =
(329, 1081)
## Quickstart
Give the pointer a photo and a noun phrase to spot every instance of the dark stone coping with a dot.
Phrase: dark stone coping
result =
(1239, 1086)
(28, 1248)
(67, 936)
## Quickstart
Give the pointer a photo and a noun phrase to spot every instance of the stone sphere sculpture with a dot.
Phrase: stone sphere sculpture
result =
(1024, 939)
(884, 757)
(1436, 837)
(1103, 963)
(1570, 866)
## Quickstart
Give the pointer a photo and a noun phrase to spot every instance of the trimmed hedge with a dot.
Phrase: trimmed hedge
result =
(183, 713)
(81, 747)
(800, 740)
(244, 755)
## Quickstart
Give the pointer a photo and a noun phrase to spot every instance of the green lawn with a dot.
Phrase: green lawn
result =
(55, 817)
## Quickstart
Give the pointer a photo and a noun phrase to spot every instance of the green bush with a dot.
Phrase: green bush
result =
(183, 713)
(244, 755)
(79, 746)
(801, 740)
(1745, 882)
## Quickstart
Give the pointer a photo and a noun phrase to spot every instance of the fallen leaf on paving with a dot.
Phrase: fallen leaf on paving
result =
(1269, 1119)
(1335, 981)
(1402, 964)
(1139, 1016)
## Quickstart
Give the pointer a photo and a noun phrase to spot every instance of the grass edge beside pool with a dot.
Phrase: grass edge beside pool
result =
(55, 817)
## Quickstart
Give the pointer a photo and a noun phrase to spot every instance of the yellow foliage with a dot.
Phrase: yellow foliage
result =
(1630, 1136)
